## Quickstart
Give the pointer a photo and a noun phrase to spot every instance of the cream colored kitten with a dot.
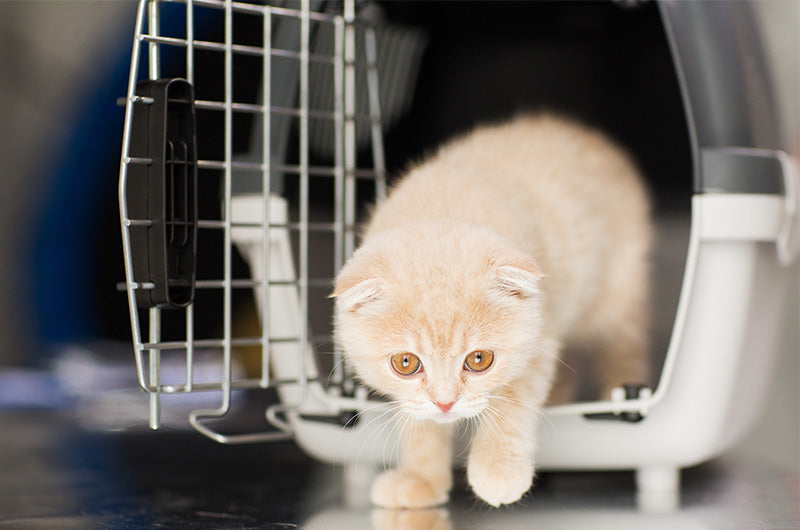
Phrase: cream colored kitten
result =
(507, 243)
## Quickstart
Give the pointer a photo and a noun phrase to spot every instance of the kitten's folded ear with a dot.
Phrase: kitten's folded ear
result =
(518, 276)
(351, 296)
(356, 285)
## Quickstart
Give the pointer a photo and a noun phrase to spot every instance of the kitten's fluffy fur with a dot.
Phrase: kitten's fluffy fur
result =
(515, 239)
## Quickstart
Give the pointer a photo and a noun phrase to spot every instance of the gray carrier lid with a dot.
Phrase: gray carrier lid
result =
(730, 106)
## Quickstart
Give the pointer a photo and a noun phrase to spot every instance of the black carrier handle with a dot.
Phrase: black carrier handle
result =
(164, 193)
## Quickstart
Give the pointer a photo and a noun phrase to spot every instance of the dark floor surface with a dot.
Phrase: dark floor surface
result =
(54, 474)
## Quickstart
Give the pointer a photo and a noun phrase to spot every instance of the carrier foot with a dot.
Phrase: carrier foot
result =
(658, 489)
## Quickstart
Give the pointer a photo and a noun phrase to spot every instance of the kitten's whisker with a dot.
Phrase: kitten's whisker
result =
(391, 407)
(499, 434)
(513, 401)
(390, 425)
(397, 430)
(407, 420)
(465, 428)
(396, 433)
(495, 432)
(502, 420)
(557, 358)
(539, 412)
(544, 416)
(333, 371)
(399, 427)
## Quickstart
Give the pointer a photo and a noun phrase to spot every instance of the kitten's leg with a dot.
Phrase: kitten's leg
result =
(424, 474)
(501, 460)
(500, 465)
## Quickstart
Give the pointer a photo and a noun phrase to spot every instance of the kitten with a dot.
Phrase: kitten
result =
(507, 243)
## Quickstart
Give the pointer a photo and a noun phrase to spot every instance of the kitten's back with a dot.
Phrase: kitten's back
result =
(562, 193)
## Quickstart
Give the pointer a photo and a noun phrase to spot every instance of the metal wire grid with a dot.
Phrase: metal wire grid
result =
(148, 339)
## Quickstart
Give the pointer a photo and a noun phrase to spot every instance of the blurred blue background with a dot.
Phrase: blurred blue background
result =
(62, 67)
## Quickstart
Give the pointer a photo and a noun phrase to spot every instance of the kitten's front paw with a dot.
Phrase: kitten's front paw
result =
(396, 489)
(500, 482)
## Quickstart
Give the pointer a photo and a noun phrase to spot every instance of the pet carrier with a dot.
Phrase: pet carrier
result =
(186, 201)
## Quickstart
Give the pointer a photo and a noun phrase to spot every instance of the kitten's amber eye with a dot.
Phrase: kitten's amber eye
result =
(406, 363)
(479, 360)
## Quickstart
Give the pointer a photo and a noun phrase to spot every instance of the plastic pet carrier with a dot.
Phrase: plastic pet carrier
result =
(223, 209)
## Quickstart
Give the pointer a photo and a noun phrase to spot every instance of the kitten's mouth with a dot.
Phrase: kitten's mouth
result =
(436, 416)
(447, 417)
(449, 413)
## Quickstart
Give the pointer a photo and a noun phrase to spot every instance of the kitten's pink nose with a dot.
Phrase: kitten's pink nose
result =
(444, 407)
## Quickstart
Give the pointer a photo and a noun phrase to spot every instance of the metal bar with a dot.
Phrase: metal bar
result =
(190, 41)
(317, 171)
(190, 307)
(378, 157)
(154, 51)
(324, 171)
(266, 158)
(137, 222)
(154, 324)
(222, 165)
(217, 343)
(154, 367)
(228, 243)
(305, 39)
(221, 224)
(235, 48)
(250, 284)
(312, 227)
(219, 284)
(189, 347)
(339, 221)
(134, 160)
(136, 99)
(219, 105)
(338, 170)
(253, 108)
(143, 286)
(257, 9)
(239, 384)
(201, 44)
(349, 126)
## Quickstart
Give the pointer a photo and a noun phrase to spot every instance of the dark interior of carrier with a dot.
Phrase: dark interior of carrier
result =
(605, 63)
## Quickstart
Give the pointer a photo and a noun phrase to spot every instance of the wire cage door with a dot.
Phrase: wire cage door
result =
(273, 113)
